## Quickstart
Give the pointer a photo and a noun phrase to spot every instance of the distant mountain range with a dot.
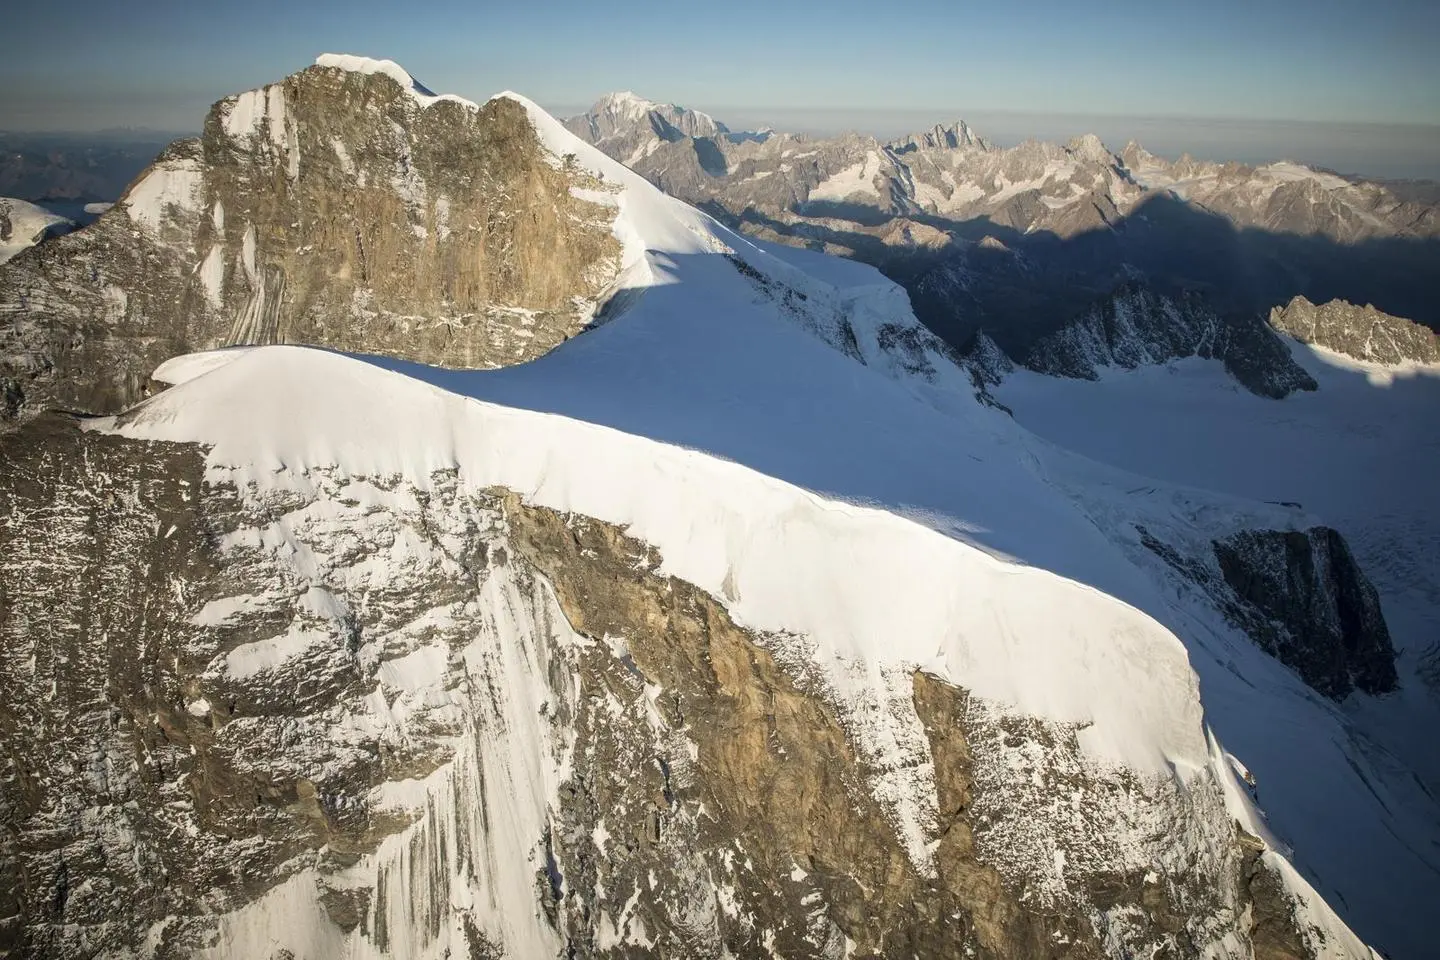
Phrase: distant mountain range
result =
(75, 168)
(1017, 242)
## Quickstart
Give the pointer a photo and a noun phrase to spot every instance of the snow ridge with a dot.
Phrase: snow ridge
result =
(369, 66)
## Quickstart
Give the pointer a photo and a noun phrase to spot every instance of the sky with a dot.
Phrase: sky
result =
(841, 64)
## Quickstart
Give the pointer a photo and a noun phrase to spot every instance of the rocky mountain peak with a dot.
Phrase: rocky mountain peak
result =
(1090, 148)
(957, 136)
(345, 206)
(624, 103)
(1363, 333)
(624, 115)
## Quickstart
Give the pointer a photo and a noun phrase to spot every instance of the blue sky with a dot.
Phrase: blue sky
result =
(96, 63)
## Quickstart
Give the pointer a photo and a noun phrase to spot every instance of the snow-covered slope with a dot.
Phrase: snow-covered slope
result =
(24, 224)
(1360, 452)
(782, 431)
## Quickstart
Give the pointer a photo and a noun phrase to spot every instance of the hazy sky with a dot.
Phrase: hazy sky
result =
(86, 64)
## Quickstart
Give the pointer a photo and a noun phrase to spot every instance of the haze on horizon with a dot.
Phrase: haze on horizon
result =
(1350, 87)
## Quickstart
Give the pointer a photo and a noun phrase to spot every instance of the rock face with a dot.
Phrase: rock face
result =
(414, 729)
(1311, 607)
(1136, 326)
(1020, 242)
(340, 208)
(1360, 332)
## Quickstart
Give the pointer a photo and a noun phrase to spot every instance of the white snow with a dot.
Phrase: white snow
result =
(393, 70)
(415, 670)
(191, 365)
(212, 275)
(241, 118)
(1289, 172)
(857, 180)
(170, 187)
(28, 223)
(249, 659)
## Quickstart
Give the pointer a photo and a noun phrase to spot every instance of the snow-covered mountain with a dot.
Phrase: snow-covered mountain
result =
(1021, 242)
(623, 124)
(336, 207)
(742, 620)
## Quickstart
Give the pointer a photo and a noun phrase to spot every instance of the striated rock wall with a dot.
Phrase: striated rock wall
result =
(335, 208)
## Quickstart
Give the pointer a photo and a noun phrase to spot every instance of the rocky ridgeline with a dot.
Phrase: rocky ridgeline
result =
(311, 751)
(1364, 333)
(334, 208)
(1136, 327)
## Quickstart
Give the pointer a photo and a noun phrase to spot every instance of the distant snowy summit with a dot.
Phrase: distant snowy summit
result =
(624, 124)
(1020, 242)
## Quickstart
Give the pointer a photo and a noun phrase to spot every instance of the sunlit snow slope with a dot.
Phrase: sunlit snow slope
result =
(746, 410)
(1352, 786)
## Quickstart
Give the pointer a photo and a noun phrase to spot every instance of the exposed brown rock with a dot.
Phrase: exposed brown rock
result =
(346, 215)
(1364, 333)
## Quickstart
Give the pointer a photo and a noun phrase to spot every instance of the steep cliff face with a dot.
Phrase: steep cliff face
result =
(344, 207)
(1360, 332)
(348, 715)
(1300, 596)
(1311, 607)
(1136, 326)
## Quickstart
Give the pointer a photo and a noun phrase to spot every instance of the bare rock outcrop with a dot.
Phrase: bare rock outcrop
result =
(337, 208)
(1364, 333)
(1135, 326)
(1307, 602)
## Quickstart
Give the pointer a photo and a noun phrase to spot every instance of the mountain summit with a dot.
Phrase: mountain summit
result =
(628, 125)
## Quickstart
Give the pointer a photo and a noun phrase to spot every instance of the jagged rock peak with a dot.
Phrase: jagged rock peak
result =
(1364, 333)
(958, 135)
(1092, 148)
